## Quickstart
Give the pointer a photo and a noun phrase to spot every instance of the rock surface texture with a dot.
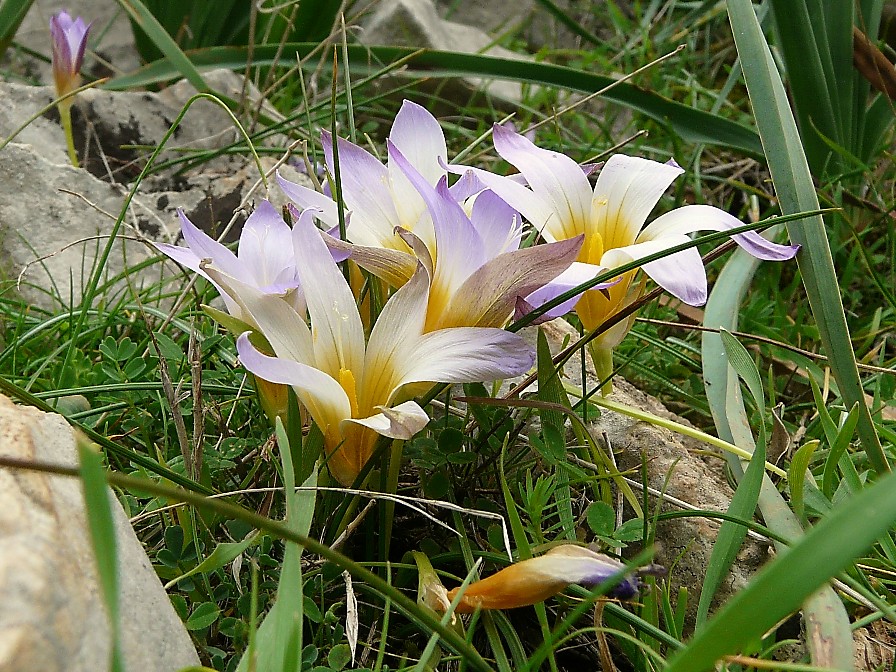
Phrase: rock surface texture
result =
(54, 218)
(53, 617)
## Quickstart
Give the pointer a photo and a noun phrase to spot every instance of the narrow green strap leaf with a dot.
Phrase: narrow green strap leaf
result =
(689, 123)
(223, 554)
(101, 523)
(166, 44)
(12, 13)
(796, 193)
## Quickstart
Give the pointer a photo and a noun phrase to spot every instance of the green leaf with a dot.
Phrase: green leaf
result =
(103, 538)
(792, 577)
(12, 13)
(339, 656)
(141, 16)
(692, 125)
(203, 616)
(796, 193)
(601, 519)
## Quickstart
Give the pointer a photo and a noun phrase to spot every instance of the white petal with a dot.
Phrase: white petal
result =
(692, 218)
(366, 192)
(393, 340)
(272, 315)
(627, 189)
(338, 334)
(399, 422)
(681, 274)
(555, 177)
(467, 354)
(324, 398)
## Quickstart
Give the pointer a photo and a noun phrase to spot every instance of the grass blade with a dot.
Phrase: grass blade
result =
(102, 538)
(826, 550)
(796, 192)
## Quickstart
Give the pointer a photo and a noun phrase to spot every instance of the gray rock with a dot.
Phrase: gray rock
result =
(54, 235)
(416, 23)
(53, 617)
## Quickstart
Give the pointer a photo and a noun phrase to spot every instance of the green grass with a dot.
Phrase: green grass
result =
(102, 366)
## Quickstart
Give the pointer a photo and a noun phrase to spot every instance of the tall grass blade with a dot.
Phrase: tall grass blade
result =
(826, 619)
(103, 539)
(796, 192)
(279, 637)
(142, 17)
(12, 13)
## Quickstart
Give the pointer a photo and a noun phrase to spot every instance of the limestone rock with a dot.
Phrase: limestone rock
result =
(54, 218)
(53, 617)
(416, 23)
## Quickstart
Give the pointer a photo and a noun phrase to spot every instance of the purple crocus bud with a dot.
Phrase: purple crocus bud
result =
(69, 40)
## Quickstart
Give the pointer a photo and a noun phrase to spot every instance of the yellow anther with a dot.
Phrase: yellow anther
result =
(347, 382)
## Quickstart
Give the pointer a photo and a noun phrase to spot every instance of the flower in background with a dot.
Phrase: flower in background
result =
(264, 259)
(561, 204)
(535, 580)
(353, 390)
(69, 37)
(378, 198)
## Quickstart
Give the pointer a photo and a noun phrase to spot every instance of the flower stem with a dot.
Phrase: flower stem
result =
(65, 115)
(603, 366)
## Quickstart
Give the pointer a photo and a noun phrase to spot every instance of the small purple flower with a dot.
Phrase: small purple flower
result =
(69, 41)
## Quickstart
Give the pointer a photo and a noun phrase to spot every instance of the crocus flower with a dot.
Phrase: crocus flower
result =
(561, 204)
(476, 268)
(264, 259)
(69, 41)
(352, 390)
(535, 580)
(379, 197)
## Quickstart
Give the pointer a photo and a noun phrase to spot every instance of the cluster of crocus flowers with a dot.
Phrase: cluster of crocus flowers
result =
(69, 39)
(452, 269)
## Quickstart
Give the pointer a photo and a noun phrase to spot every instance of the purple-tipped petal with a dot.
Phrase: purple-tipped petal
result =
(308, 198)
(418, 136)
(488, 296)
(324, 398)
(691, 218)
(577, 274)
(365, 192)
(497, 223)
(681, 274)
